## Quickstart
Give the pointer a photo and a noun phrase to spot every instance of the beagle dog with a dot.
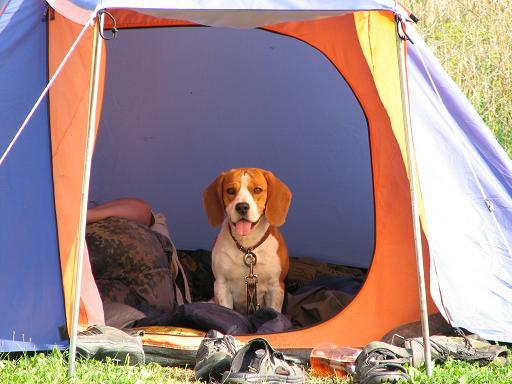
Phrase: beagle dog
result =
(250, 204)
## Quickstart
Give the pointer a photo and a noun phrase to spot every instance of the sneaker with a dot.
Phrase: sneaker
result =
(214, 355)
(101, 341)
(258, 362)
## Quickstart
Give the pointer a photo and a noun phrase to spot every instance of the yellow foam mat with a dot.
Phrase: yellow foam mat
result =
(174, 337)
(171, 337)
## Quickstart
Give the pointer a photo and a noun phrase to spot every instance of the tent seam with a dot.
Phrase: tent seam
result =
(373, 69)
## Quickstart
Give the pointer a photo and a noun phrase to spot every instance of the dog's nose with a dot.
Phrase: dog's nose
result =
(242, 208)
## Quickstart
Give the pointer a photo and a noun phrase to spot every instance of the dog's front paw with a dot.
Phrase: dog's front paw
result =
(274, 299)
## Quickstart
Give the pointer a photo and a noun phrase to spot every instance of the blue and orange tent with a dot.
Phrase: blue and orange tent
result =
(315, 92)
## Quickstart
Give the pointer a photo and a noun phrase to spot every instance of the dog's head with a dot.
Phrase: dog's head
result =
(245, 195)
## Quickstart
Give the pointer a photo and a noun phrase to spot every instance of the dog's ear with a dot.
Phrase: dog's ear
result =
(213, 201)
(278, 200)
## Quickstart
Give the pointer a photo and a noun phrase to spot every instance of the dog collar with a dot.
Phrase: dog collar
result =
(248, 250)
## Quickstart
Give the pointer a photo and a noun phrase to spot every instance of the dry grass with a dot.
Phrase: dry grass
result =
(473, 41)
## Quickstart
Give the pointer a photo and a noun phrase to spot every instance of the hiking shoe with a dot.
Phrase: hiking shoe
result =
(100, 341)
(257, 362)
(214, 355)
(380, 362)
(470, 348)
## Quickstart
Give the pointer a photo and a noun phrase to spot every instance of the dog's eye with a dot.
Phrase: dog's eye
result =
(231, 191)
(258, 190)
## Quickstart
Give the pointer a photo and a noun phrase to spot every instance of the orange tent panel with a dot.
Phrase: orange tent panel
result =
(385, 301)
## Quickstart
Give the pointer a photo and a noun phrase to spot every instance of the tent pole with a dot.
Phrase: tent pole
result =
(95, 72)
(413, 179)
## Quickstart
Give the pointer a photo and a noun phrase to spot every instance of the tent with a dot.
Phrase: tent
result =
(312, 91)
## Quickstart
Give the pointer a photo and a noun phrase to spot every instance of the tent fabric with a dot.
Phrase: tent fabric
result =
(365, 317)
(224, 13)
(32, 300)
(393, 251)
(68, 119)
(369, 28)
(465, 177)
(91, 307)
(462, 170)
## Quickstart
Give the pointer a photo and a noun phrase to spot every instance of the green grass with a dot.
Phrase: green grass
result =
(52, 368)
(463, 373)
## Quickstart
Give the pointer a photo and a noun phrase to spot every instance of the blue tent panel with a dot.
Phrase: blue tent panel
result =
(219, 98)
(31, 297)
(466, 183)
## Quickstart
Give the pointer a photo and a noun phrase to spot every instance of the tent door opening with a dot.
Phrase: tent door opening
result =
(182, 104)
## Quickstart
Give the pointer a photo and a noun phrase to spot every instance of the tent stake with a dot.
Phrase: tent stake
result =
(413, 179)
(95, 72)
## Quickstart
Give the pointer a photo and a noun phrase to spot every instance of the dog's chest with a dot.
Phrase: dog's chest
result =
(228, 262)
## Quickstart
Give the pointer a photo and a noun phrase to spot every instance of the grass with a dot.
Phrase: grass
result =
(52, 368)
(463, 373)
(472, 41)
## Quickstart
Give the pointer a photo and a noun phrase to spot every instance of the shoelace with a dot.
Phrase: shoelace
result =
(381, 354)
(90, 331)
(460, 353)
(220, 345)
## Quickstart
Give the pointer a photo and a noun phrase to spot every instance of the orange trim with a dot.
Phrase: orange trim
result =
(69, 110)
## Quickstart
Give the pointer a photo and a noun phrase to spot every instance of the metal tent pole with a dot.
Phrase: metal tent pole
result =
(96, 63)
(413, 178)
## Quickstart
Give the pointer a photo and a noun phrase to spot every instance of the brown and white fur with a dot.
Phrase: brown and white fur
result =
(250, 201)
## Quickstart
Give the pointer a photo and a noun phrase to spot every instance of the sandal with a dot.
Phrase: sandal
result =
(381, 363)
(258, 362)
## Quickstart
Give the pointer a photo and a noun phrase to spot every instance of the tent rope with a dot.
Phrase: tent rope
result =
(89, 23)
(466, 155)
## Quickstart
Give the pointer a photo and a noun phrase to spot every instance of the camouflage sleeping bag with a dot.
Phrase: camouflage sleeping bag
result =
(133, 265)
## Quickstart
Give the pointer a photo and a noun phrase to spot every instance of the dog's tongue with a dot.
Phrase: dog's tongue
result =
(243, 228)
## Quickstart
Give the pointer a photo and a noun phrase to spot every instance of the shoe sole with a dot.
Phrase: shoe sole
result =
(124, 357)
